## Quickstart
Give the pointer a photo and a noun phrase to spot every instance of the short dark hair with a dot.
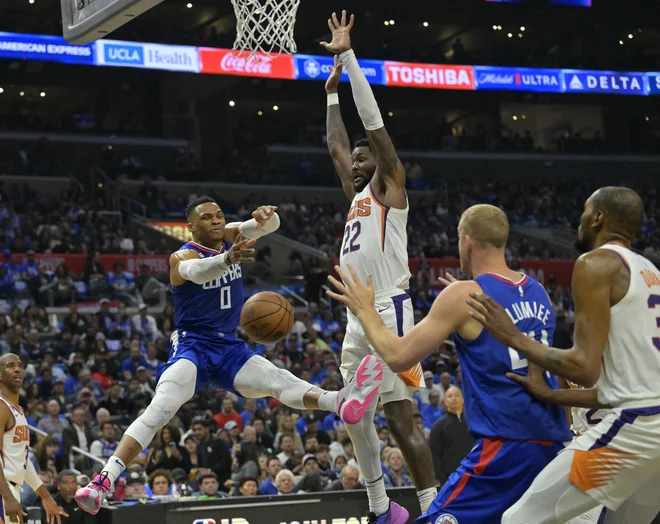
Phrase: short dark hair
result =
(623, 207)
(363, 142)
(273, 457)
(105, 423)
(190, 208)
(203, 420)
(161, 472)
(207, 475)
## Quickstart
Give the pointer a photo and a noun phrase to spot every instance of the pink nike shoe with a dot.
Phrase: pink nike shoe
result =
(395, 515)
(91, 497)
(362, 391)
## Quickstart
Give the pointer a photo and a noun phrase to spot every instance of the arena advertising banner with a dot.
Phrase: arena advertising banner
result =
(76, 263)
(48, 48)
(207, 60)
(223, 62)
(178, 230)
(312, 67)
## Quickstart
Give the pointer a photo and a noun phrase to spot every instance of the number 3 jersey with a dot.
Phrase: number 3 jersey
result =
(495, 406)
(211, 308)
(15, 445)
(376, 242)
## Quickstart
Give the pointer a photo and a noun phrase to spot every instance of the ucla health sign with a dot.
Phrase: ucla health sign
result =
(48, 48)
(518, 79)
(312, 67)
(147, 56)
(577, 81)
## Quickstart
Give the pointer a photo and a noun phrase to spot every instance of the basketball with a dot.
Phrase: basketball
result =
(267, 317)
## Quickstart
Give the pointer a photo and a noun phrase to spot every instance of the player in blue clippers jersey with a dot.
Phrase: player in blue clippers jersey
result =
(516, 435)
(207, 285)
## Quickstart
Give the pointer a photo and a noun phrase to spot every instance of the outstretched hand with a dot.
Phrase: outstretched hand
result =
(355, 295)
(447, 281)
(262, 215)
(341, 38)
(241, 251)
(332, 82)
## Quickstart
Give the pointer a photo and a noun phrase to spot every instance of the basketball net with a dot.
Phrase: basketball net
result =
(264, 28)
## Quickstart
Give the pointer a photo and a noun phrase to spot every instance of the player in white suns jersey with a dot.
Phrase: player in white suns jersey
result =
(16, 468)
(375, 243)
(616, 349)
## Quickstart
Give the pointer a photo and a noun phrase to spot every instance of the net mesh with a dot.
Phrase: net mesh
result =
(264, 28)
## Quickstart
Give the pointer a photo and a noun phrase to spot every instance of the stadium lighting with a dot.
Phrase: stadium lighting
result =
(499, 27)
(520, 35)
(515, 117)
(1, 90)
(391, 22)
(42, 94)
(189, 5)
(275, 108)
(31, 1)
(425, 24)
(630, 36)
(648, 118)
(494, 28)
(524, 117)
(620, 42)
(22, 93)
(390, 114)
(386, 22)
(522, 27)
(232, 103)
(510, 35)
(260, 113)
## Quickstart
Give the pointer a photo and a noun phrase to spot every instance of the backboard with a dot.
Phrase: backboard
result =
(84, 21)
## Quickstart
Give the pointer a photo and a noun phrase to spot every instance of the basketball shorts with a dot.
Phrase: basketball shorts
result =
(218, 357)
(17, 495)
(492, 477)
(396, 311)
(617, 456)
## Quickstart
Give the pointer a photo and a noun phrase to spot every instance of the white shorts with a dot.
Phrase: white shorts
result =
(617, 456)
(396, 310)
(17, 495)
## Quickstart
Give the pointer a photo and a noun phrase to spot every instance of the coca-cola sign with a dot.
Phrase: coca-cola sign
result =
(223, 62)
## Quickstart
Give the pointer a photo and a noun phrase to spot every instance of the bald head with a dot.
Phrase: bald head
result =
(7, 358)
(486, 225)
(623, 209)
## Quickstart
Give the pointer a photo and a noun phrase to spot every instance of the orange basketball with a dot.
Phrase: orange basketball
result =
(267, 317)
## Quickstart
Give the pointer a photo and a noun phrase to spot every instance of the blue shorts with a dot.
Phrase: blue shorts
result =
(218, 357)
(490, 480)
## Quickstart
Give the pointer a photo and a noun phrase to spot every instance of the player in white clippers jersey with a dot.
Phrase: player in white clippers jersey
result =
(16, 468)
(375, 243)
(616, 349)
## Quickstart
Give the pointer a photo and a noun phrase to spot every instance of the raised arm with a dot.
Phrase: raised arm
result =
(390, 170)
(263, 222)
(594, 275)
(338, 143)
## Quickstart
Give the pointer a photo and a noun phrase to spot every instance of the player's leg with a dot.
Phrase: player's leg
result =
(552, 498)
(641, 507)
(258, 377)
(175, 387)
(416, 452)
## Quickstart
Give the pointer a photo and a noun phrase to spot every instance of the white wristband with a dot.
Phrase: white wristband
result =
(333, 99)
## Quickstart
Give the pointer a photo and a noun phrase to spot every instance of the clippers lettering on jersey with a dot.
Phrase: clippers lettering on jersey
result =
(525, 309)
(653, 302)
(650, 277)
(361, 208)
(233, 273)
(21, 434)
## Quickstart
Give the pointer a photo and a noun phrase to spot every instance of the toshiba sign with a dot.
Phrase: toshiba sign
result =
(223, 62)
(429, 75)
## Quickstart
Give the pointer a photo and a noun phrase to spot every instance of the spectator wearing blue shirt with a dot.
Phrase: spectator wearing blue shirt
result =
(14, 269)
(152, 358)
(273, 467)
(122, 283)
(336, 341)
(433, 411)
(122, 326)
(6, 282)
(319, 374)
(135, 360)
(396, 477)
(327, 325)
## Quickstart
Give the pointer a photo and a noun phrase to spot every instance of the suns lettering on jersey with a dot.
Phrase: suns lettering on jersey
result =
(21, 434)
(650, 277)
(361, 208)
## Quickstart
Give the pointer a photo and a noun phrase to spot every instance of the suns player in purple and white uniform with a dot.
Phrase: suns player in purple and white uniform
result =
(207, 286)
(616, 354)
(376, 242)
(517, 436)
(15, 444)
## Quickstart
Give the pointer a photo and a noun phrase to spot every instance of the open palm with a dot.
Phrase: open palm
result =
(341, 38)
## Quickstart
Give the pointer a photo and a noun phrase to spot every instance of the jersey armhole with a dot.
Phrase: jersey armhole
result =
(5, 430)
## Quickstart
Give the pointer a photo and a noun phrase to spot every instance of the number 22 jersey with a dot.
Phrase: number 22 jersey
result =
(376, 242)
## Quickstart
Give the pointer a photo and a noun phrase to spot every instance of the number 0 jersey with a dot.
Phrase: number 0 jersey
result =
(213, 307)
(15, 445)
(376, 242)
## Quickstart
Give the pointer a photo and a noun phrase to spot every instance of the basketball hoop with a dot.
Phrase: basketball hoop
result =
(264, 28)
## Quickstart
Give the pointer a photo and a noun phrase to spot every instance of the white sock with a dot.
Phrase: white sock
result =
(328, 401)
(426, 497)
(379, 502)
(113, 468)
